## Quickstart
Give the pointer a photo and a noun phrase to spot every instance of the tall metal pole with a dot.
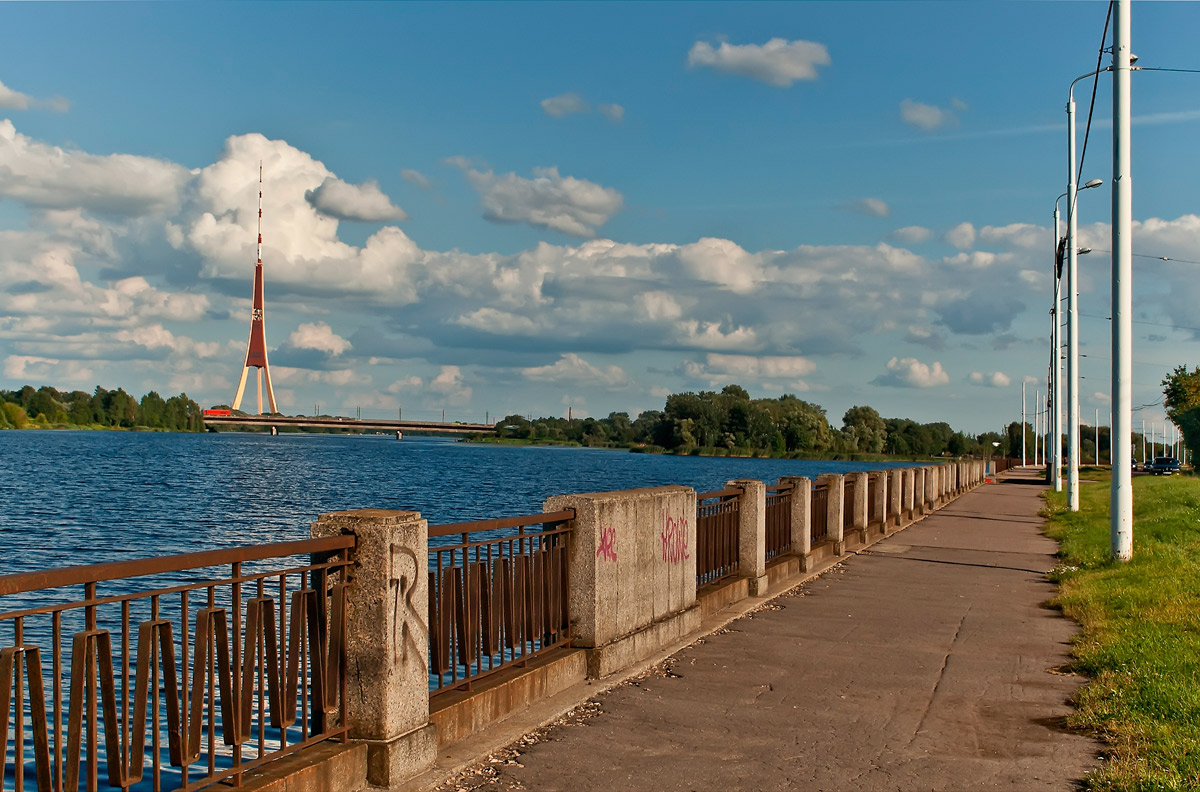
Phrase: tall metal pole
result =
(1037, 420)
(1022, 423)
(1097, 437)
(1055, 456)
(1073, 448)
(1121, 505)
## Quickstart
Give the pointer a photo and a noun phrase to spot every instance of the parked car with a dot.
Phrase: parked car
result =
(1164, 466)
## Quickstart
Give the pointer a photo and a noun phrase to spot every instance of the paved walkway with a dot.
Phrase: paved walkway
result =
(925, 663)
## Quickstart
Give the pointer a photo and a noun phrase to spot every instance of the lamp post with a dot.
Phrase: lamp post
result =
(1073, 448)
(1054, 458)
(1121, 493)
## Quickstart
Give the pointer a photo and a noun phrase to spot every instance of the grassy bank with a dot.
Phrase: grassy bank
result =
(1140, 644)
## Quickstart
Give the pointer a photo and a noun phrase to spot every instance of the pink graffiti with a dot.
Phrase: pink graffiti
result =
(608, 544)
(674, 539)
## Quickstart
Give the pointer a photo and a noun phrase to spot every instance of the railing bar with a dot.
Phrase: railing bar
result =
(262, 657)
(56, 661)
(235, 682)
(125, 713)
(305, 743)
(493, 540)
(155, 743)
(93, 770)
(118, 570)
(19, 720)
(185, 736)
(282, 643)
(66, 606)
(212, 699)
(504, 522)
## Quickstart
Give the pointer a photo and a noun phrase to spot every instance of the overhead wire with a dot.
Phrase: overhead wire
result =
(1095, 82)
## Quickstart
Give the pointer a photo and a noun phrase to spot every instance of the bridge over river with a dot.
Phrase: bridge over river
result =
(344, 424)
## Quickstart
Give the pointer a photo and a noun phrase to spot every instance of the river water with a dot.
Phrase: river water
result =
(73, 497)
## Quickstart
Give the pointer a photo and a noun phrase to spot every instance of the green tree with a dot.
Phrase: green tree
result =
(865, 428)
(1181, 397)
(152, 411)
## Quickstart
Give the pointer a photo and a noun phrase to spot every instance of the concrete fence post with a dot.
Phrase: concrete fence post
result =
(881, 497)
(632, 567)
(931, 485)
(835, 507)
(858, 517)
(752, 534)
(895, 513)
(919, 491)
(387, 640)
(801, 538)
(910, 488)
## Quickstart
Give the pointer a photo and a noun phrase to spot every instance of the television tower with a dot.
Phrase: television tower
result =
(256, 348)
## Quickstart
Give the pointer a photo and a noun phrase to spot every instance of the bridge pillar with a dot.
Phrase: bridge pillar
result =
(387, 640)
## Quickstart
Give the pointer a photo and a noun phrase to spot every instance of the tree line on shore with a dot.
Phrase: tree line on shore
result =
(730, 422)
(47, 406)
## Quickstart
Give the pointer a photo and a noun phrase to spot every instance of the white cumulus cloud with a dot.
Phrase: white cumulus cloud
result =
(911, 235)
(779, 62)
(962, 236)
(574, 369)
(995, 379)
(613, 112)
(924, 116)
(911, 373)
(564, 105)
(549, 200)
(870, 206)
(318, 336)
(364, 202)
(417, 178)
(42, 175)
(15, 100)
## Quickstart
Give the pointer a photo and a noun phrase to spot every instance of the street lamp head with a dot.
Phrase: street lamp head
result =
(1083, 251)
(1092, 183)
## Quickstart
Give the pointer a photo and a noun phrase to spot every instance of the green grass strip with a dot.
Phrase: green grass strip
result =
(1140, 639)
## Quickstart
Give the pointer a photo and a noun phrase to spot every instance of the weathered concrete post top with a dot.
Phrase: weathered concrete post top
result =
(387, 637)
(632, 565)
(752, 534)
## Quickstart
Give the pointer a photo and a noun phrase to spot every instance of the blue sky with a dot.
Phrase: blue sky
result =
(528, 207)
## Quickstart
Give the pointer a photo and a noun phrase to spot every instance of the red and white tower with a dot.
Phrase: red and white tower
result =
(256, 348)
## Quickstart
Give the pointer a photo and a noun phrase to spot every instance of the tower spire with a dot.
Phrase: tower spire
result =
(256, 347)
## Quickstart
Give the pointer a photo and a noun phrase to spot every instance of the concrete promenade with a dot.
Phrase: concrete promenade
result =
(926, 662)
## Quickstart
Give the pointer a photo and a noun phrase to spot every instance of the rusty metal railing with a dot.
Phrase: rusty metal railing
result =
(717, 532)
(779, 520)
(848, 504)
(498, 595)
(231, 670)
(873, 515)
(818, 522)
